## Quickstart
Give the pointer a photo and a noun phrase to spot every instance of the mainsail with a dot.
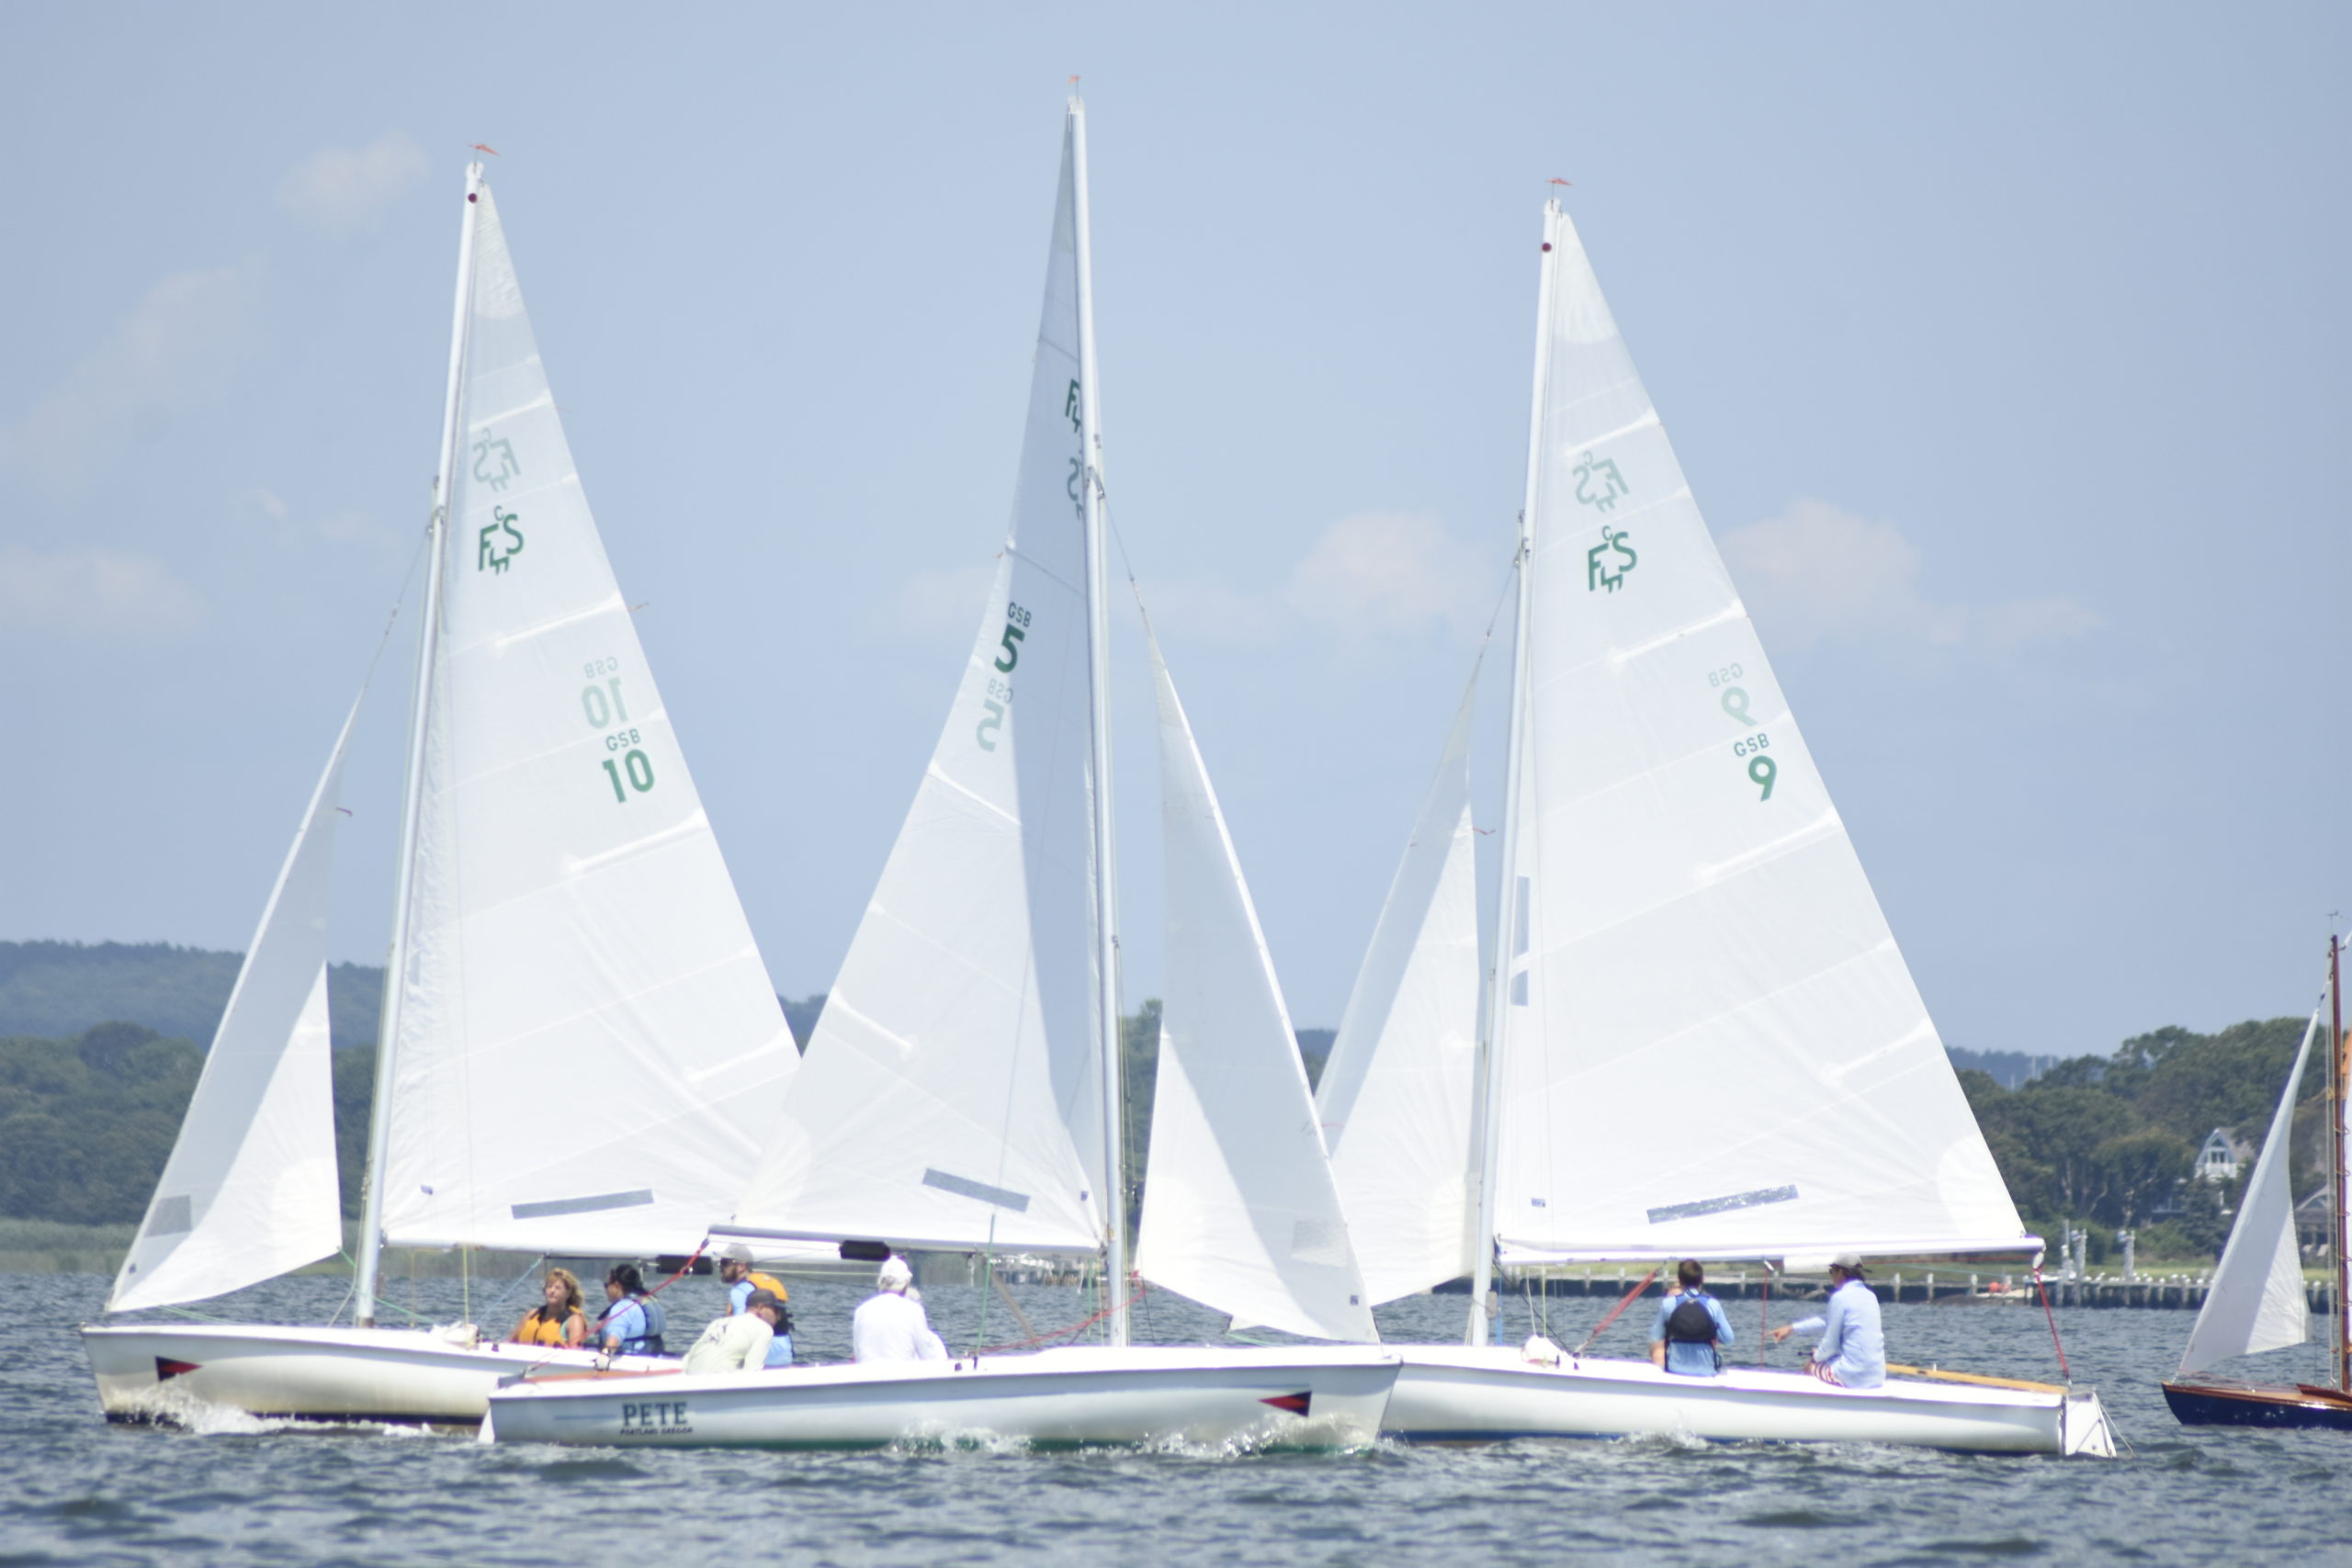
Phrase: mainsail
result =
(1709, 1044)
(1239, 1210)
(1395, 1097)
(588, 1048)
(250, 1188)
(951, 1094)
(2256, 1299)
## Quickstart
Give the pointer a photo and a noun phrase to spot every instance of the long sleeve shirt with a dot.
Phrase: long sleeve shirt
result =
(889, 1327)
(738, 1296)
(737, 1343)
(1853, 1344)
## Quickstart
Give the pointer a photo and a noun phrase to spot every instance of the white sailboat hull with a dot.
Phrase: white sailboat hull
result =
(1288, 1396)
(181, 1372)
(1463, 1394)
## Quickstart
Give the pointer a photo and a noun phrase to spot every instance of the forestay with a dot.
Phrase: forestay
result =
(949, 1095)
(250, 1190)
(2256, 1299)
(588, 1045)
(1711, 1044)
(1239, 1210)
(1396, 1091)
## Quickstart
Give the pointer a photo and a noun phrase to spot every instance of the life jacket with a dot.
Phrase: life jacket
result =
(650, 1342)
(539, 1328)
(1691, 1322)
(770, 1283)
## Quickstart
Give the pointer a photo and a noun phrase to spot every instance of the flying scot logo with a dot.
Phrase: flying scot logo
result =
(494, 461)
(1598, 484)
(500, 541)
(1602, 567)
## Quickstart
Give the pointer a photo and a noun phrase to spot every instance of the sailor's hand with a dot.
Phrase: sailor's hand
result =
(1781, 1333)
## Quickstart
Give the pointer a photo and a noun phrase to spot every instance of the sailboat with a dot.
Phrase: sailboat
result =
(2256, 1301)
(580, 1045)
(1699, 1039)
(962, 1090)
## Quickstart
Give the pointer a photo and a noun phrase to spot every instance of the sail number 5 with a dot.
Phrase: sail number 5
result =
(999, 697)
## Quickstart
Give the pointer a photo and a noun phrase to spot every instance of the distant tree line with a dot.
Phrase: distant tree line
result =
(2107, 1142)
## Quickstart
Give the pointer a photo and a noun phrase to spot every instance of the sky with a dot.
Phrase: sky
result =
(2004, 348)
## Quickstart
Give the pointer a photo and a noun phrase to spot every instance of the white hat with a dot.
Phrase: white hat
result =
(895, 1275)
(735, 1252)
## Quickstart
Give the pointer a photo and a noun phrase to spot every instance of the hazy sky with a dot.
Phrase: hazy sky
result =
(2004, 349)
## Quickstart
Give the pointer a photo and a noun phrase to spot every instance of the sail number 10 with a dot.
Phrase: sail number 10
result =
(629, 768)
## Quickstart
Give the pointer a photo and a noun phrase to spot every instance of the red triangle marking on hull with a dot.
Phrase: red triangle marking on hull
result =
(166, 1369)
(1295, 1404)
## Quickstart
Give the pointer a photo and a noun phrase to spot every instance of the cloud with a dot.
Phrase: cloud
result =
(96, 591)
(1816, 573)
(1391, 571)
(172, 343)
(932, 604)
(344, 191)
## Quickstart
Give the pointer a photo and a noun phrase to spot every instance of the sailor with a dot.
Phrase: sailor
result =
(1689, 1331)
(735, 1268)
(738, 1341)
(1852, 1352)
(561, 1321)
(890, 1326)
(632, 1321)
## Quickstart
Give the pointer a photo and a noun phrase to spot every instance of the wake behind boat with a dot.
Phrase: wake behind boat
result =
(567, 943)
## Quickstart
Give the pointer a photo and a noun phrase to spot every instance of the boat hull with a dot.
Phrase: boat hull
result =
(1447, 1394)
(179, 1372)
(1290, 1396)
(2257, 1404)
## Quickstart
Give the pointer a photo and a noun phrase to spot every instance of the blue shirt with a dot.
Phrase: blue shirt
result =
(624, 1321)
(1853, 1345)
(1689, 1358)
(779, 1348)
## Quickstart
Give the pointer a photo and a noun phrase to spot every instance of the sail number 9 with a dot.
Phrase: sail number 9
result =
(602, 707)
(1762, 770)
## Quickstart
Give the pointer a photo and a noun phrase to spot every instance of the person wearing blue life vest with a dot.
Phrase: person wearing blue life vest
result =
(742, 1280)
(632, 1321)
(1852, 1352)
(1688, 1335)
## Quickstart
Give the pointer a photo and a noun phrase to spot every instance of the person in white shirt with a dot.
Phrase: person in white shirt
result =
(890, 1326)
(738, 1342)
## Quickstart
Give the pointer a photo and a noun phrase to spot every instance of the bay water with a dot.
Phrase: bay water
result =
(77, 1491)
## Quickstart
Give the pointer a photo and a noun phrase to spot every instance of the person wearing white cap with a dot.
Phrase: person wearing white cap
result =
(1852, 1352)
(890, 1326)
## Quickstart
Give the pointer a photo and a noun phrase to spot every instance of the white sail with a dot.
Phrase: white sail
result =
(950, 1094)
(250, 1188)
(1394, 1098)
(2256, 1301)
(588, 1046)
(1239, 1210)
(1711, 1044)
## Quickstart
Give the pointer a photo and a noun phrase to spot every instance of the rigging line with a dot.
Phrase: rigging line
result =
(2055, 1342)
(1625, 1301)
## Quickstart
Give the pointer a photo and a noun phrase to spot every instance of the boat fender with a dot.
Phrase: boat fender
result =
(1542, 1352)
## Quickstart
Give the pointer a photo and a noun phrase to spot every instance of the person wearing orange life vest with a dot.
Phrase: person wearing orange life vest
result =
(561, 1321)
(742, 1278)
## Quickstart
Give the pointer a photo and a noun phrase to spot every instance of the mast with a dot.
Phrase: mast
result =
(1495, 1037)
(2340, 1334)
(380, 1121)
(1098, 679)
